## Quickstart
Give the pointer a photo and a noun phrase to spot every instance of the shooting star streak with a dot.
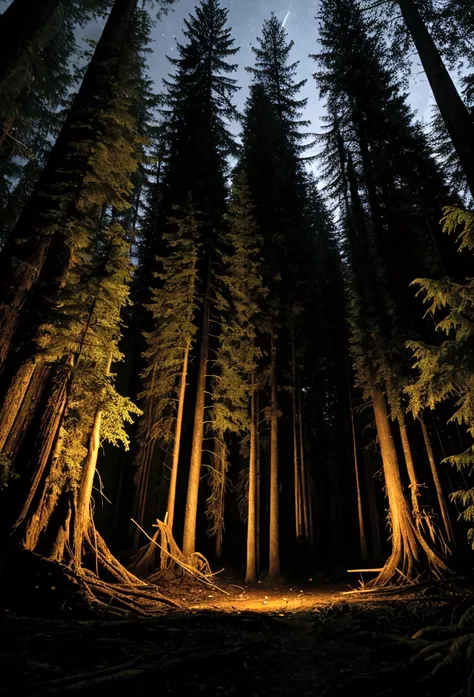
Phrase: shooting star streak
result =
(284, 21)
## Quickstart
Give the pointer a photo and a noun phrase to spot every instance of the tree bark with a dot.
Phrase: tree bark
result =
(14, 399)
(251, 567)
(374, 514)
(27, 410)
(439, 489)
(144, 459)
(360, 513)
(408, 545)
(414, 485)
(189, 534)
(455, 114)
(274, 543)
(34, 239)
(258, 485)
(177, 441)
(305, 493)
(82, 508)
(46, 448)
(296, 464)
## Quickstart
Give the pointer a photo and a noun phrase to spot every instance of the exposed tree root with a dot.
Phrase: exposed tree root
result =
(172, 559)
(31, 582)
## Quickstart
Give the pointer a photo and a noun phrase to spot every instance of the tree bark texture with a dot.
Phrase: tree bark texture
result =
(251, 567)
(189, 534)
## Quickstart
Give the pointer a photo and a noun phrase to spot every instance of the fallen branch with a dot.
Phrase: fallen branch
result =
(177, 558)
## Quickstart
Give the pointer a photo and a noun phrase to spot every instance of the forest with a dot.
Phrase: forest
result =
(236, 351)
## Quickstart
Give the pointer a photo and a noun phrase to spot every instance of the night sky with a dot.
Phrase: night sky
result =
(246, 18)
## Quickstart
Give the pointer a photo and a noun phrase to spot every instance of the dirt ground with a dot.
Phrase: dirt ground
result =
(254, 642)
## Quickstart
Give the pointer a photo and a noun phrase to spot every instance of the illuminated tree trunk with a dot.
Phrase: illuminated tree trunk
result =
(408, 545)
(38, 518)
(456, 116)
(304, 479)
(27, 410)
(82, 508)
(177, 441)
(251, 568)
(48, 434)
(82, 516)
(439, 489)
(221, 468)
(258, 477)
(189, 534)
(274, 543)
(360, 513)
(414, 485)
(14, 399)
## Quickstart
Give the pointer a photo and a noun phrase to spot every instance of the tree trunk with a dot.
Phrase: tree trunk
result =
(408, 545)
(144, 459)
(177, 441)
(439, 489)
(34, 240)
(37, 522)
(414, 485)
(251, 568)
(14, 399)
(456, 116)
(82, 512)
(296, 464)
(221, 467)
(274, 544)
(360, 513)
(258, 485)
(45, 445)
(374, 514)
(305, 493)
(27, 410)
(189, 534)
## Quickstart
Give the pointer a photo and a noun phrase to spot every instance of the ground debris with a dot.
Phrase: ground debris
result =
(340, 647)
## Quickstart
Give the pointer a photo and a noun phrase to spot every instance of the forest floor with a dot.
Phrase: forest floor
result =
(255, 642)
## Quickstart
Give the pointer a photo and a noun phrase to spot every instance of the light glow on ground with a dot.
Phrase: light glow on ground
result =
(278, 600)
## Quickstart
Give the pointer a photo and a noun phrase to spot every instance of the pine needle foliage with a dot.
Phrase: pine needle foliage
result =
(86, 326)
(446, 371)
(173, 306)
(239, 293)
(277, 75)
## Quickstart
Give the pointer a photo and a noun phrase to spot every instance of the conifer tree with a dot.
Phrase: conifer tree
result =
(367, 108)
(277, 75)
(196, 142)
(173, 307)
(238, 294)
(444, 370)
(455, 114)
(272, 145)
(59, 400)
